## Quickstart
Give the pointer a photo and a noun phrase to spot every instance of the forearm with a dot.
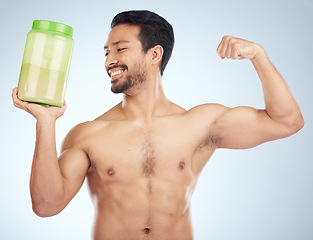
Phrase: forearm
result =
(46, 183)
(279, 101)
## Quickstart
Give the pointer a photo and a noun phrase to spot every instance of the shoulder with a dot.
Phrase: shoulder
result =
(203, 119)
(212, 107)
(79, 134)
(207, 112)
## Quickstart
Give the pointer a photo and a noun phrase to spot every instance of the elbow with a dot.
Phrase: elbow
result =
(295, 124)
(44, 210)
(47, 203)
(41, 213)
(299, 123)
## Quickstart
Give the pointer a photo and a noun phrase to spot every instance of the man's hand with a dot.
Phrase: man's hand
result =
(38, 111)
(236, 48)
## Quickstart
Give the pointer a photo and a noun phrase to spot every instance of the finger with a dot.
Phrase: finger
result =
(223, 47)
(219, 47)
(14, 92)
(16, 101)
(235, 52)
(64, 107)
(228, 49)
(233, 48)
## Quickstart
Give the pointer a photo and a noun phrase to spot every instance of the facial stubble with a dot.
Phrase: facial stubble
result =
(132, 80)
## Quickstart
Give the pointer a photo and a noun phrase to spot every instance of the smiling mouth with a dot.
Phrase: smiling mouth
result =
(116, 71)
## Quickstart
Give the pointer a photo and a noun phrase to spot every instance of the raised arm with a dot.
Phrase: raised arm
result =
(245, 127)
(54, 181)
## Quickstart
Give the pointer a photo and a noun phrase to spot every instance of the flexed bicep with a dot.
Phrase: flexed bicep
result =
(246, 127)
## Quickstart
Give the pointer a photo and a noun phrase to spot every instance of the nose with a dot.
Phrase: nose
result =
(110, 60)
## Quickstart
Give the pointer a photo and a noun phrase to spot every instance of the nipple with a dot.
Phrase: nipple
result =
(111, 172)
(181, 165)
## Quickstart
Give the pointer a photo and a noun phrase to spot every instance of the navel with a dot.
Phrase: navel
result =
(181, 165)
(111, 172)
(146, 230)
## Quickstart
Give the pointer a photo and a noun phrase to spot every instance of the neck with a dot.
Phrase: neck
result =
(145, 101)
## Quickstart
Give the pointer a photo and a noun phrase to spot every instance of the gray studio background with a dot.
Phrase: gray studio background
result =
(263, 193)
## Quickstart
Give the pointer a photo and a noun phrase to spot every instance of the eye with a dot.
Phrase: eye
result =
(106, 53)
(120, 49)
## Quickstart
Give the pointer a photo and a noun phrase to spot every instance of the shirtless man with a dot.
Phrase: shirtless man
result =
(142, 158)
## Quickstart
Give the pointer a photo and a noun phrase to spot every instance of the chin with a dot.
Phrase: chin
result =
(122, 87)
(114, 90)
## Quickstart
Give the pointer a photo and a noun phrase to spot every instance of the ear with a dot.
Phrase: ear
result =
(156, 54)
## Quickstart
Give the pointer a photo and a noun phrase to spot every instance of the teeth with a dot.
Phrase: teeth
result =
(116, 72)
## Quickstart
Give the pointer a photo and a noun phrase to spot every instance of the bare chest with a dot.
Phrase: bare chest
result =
(129, 152)
(166, 150)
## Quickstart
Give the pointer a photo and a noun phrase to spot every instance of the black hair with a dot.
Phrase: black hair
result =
(154, 30)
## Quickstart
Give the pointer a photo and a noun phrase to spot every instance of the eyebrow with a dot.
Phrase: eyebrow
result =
(116, 43)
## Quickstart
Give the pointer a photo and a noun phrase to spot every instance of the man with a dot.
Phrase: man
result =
(142, 158)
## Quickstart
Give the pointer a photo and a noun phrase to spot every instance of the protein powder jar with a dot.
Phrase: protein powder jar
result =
(46, 62)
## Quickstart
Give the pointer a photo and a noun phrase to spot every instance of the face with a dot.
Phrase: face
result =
(125, 60)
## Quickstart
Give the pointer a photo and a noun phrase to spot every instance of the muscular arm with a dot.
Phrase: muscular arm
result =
(54, 181)
(245, 127)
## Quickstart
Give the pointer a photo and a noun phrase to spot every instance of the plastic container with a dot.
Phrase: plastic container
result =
(46, 62)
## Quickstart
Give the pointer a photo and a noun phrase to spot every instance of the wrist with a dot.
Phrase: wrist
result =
(45, 121)
(259, 54)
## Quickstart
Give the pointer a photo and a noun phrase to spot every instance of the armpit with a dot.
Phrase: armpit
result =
(209, 143)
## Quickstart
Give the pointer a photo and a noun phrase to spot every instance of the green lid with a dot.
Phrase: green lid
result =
(53, 26)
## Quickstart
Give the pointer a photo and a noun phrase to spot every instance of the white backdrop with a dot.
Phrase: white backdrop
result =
(261, 193)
